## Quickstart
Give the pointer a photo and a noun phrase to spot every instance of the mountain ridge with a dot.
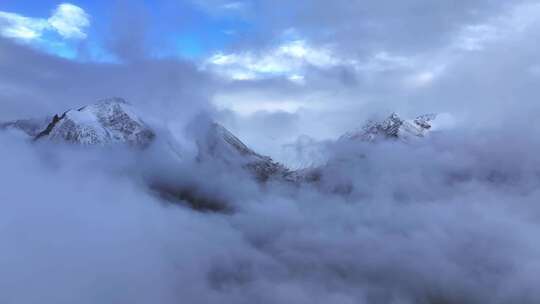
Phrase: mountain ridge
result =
(113, 120)
(393, 127)
(107, 121)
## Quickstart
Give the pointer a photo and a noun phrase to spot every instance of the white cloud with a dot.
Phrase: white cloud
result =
(223, 7)
(384, 61)
(297, 78)
(17, 26)
(474, 37)
(291, 59)
(238, 5)
(424, 78)
(68, 20)
(248, 103)
(288, 59)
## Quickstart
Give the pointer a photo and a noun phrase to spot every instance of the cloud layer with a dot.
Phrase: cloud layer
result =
(452, 218)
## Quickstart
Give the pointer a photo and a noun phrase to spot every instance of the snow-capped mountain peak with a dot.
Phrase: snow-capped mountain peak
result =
(222, 141)
(108, 121)
(220, 144)
(393, 127)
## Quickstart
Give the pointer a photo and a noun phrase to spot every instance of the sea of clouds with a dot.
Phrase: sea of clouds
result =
(452, 218)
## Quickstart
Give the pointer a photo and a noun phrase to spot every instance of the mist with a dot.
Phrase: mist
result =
(449, 217)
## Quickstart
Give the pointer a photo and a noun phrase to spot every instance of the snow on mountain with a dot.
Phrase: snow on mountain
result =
(113, 120)
(107, 121)
(393, 127)
(219, 143)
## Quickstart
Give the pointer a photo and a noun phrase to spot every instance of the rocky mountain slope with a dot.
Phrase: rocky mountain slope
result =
(108, 121)
(113, 121)
(393, 127)
(219, 143)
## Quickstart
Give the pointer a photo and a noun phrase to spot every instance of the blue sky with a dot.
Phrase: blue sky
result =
(183, 29)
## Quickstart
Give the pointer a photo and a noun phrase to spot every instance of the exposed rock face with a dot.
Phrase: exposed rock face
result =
(219, 143)
(393, 127)
(106, 122)
(113, 121)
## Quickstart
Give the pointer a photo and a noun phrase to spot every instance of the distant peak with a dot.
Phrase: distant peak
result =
(393, 127)
(219, 138)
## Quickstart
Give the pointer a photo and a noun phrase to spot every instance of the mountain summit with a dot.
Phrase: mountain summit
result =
(113, 120)
(220, 144)
(108, 121)
(393, 127)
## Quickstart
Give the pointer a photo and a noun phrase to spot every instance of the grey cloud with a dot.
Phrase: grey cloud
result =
(360, 26)
(452, 218)
(130, 28)
(494, 84)
(35, 84)
(447, 219)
